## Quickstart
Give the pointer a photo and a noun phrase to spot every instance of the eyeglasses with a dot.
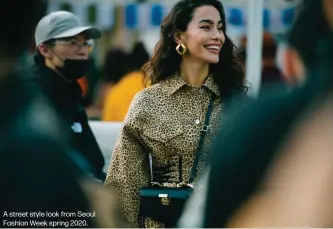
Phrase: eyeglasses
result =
(73, 42)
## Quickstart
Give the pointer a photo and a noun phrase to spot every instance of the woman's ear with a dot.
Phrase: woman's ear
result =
(178, 37)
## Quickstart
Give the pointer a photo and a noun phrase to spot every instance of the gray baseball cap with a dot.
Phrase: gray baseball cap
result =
(62, 24)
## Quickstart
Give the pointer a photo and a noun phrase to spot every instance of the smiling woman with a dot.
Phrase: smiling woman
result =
(194, 70)
(199, 28)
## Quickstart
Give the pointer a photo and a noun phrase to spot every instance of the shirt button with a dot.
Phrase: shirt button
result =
(163, 135)
(197, 121)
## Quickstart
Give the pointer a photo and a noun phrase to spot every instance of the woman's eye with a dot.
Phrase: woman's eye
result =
(204, 27)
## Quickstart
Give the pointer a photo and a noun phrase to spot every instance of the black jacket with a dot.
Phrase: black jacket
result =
(26, 119)
(38, 170)
(67, 101)
(24, 111)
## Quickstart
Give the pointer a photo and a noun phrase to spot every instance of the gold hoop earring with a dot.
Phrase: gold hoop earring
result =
(181, 49)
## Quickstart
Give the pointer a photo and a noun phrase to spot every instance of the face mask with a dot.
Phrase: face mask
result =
(74, 69)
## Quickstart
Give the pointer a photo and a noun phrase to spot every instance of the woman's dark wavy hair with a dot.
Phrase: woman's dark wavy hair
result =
(165, 61)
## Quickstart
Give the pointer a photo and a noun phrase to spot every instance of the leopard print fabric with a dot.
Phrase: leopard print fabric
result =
(164, 120)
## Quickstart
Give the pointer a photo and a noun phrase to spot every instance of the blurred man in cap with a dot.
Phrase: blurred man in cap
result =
(38, 171)
(62, 58)
(27, 122)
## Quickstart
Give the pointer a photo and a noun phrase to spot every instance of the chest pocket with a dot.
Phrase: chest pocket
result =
(163, 131)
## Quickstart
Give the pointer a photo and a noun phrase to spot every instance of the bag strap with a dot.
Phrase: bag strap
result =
(202, 139)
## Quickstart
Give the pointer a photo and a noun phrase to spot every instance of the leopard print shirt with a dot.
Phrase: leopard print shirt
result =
(164, 120)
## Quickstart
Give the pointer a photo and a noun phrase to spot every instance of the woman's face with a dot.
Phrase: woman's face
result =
(204, 36)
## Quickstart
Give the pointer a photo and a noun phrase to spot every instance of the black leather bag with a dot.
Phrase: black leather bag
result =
(165, 204)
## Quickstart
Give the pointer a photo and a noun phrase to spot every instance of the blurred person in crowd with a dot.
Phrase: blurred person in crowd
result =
(114, 69)
(25, 113)
(45, 176)
(61, 59)
(270, 73)
(18, 103)
(29, 131)
(116, 66)
(272, 165)
(119, 98)
(193, 65)
(38, 172)
(40, 178)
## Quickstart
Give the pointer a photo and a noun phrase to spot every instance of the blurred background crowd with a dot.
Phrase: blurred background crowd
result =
(131, 31)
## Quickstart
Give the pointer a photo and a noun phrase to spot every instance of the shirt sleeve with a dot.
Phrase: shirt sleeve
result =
(129, 166)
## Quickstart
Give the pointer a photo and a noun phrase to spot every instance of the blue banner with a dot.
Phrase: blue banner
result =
(145, 15)
(131, 16)
(157, 13)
